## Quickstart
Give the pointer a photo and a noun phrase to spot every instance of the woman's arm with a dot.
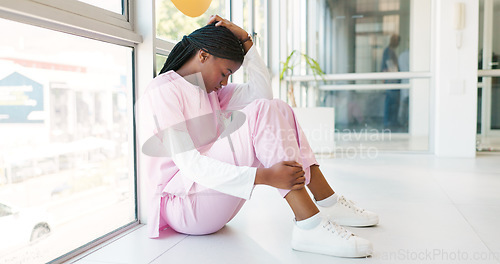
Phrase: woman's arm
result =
(258, 85)
(237, 96)
(162, 105)
(224, 177)
(169, 130)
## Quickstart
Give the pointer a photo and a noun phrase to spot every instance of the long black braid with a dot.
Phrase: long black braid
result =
(217, 41)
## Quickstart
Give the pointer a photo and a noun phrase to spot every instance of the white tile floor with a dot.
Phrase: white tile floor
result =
(432, 210)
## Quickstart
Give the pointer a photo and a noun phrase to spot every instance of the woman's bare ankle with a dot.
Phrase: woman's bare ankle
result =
(301, 203)
(318, 185)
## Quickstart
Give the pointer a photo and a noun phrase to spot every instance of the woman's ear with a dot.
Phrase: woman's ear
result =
(203, 55)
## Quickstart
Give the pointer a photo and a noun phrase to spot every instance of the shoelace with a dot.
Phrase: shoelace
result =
(350, 204)
(334, 228)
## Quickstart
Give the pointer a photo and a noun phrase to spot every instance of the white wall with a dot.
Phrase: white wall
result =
(455, 81)
(145, 61)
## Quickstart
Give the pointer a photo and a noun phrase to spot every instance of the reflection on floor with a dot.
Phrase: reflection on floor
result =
(432, 210)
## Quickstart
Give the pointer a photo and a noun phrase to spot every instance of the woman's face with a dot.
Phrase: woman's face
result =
(216, 71)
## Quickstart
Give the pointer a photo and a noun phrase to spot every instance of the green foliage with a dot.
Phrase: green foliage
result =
(289, 65)
(314, 66)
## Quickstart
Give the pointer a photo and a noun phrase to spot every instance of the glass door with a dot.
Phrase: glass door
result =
(488, 121)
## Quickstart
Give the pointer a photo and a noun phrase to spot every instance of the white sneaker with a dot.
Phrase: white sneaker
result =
(330, 239)
(346, 213)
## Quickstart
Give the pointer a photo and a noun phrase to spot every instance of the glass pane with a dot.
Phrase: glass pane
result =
(489, 140)
(111, 5)
(481, 36)
(495, 103)
(261, 26)
(374, 36)
(493, 45)
(160, 60)
(247, 12)
(479, 110)
(379, 114)
(172, 25)
(65, 149)
(488, 112)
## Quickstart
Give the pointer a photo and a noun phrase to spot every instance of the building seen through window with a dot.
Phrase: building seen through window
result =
(65, 150)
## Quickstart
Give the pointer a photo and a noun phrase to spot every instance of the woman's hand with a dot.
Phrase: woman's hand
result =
(284, 175)
(240, 33)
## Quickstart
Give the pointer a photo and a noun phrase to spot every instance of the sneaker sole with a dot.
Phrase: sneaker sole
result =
(372, 222)
(363, 252)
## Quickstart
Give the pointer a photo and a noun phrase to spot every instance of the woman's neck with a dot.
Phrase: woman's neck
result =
(186, 69)
(189, 74)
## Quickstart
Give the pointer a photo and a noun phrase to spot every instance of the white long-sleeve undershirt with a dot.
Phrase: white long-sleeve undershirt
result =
(209, 172)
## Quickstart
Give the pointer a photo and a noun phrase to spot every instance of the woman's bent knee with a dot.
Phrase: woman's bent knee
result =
(261, 102)
(280, 102)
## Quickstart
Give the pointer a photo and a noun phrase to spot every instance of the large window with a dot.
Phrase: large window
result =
(373, 79)
(488, 112)
(66, 156)
(368, 35)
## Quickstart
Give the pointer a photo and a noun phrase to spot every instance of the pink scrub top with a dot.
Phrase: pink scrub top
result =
(170, 100)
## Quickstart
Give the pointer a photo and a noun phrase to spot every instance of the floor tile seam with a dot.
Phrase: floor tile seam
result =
(477, 234)
(453, 202)
(455, 205)
(168, 249)
(435, 180)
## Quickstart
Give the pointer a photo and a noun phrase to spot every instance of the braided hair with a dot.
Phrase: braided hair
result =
(217, 41)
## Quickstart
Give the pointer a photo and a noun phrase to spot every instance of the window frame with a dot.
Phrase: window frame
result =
(163, 48)
(88, 21)
(91, 22)
(91, 11)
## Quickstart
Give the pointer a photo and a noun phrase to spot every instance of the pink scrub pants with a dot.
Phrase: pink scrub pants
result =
(269, 135)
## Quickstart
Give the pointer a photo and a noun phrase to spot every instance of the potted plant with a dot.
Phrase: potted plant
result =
(289, 64)
(316, 122)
